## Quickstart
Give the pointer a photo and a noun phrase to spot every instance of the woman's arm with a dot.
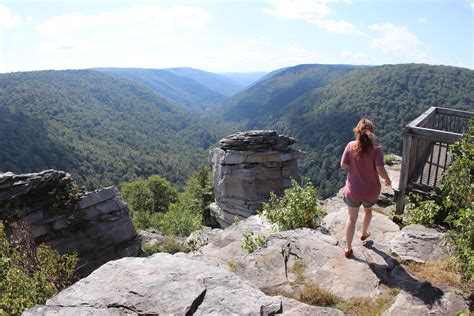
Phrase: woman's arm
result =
(383, 174)
(344, 166)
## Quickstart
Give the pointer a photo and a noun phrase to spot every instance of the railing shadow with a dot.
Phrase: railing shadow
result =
(394, 275)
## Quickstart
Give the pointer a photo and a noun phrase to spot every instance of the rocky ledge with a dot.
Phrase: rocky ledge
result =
(222, 279)
(58, 212)
(247, 166)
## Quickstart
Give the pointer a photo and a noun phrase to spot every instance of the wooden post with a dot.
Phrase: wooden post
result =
(402, 186)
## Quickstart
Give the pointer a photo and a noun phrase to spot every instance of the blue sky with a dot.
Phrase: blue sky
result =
(233, 36)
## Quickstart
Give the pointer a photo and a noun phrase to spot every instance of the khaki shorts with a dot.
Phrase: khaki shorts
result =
(355, 203)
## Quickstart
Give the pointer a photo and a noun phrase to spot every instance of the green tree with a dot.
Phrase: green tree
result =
(148, 199)
(30, 275)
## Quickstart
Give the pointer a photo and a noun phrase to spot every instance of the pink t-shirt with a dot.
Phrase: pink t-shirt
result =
(362, 183)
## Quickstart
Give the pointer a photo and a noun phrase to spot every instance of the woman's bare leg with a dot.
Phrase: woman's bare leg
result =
(353, 212)
(366, 221)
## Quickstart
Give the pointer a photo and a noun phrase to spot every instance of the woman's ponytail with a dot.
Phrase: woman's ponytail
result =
(364, 133)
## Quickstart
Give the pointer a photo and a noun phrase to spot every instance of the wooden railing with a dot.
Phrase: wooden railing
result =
(426, 153)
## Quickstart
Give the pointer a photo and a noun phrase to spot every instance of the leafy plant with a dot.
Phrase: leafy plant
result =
(453, 206)
(169, 245)
(180, 220)
(250, 242)
(299, 207)
(30, 275)
(389, 159)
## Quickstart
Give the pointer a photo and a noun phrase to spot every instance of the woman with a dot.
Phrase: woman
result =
(364, 159)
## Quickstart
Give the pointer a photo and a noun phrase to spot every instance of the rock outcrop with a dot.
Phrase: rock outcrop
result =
(56, 211)
(222, 279)
(419, 243)
(247, 166)
(166, 285)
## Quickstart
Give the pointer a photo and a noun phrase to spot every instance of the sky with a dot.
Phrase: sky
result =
(233, 35)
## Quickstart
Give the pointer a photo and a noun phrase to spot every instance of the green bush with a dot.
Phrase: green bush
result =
(299, 207)
(148, 198)
(389, 159)
(250, 242)
(170, 245)
(453, 206)
(421, 211)
(180, 221)
(30, 275)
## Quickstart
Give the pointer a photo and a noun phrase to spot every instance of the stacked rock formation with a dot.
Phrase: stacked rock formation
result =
(247, 166)
(52, 209)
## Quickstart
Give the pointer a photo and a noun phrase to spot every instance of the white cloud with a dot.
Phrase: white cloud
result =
(395, 38)
(357, 58)
(150, 18)
(422, 20)
(315, 12)
(8, 19)
(298, 9)
(401, 43)
(472, 5)
(339, 26)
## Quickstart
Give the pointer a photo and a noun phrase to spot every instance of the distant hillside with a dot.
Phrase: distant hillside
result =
(322, 119)
(267, 98)
(101, 128)
(180, 89)
(212, 81)
(245, 79)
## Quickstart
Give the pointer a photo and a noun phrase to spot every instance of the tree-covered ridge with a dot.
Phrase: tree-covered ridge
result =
(391, 96)
(102, 129)
(267, 98)
(178, 88)
(212, 81)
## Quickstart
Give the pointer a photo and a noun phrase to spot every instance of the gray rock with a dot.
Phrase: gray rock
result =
(322, 255)
(49, 203)
(294, 307)
(427, 302)
(161, 284)
(201, 237)
(247, 166)
(96, 197)
(419, 243)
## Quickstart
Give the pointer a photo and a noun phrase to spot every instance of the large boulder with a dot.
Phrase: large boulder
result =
(419, 243)
(55, 210)
(247, 166)
(162, 284)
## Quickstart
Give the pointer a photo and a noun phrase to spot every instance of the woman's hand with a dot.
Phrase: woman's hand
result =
(387, 182)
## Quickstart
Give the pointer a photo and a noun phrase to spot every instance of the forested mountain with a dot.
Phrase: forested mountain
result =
(180, 89)
(212, 81)
(245, 79)
(98, 127)
(270, 96)
(322, 118)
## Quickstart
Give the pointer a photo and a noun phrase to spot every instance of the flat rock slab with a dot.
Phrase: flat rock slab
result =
(321, 254)
(292, 307)
(161, 284)
(407, 303)
(419, 243)
(382, 228)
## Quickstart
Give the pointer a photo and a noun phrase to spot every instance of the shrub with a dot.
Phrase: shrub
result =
(250, 242)
(30, 275)
(299, 207)
(180, 220)
(154, 194)
(425, 212)
(170, 245)
(453, 206)
(389, 159)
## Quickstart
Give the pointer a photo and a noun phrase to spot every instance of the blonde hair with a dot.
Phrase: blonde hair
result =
(364, 134)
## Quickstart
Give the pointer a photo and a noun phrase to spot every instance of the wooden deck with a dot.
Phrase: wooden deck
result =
(426, 153)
